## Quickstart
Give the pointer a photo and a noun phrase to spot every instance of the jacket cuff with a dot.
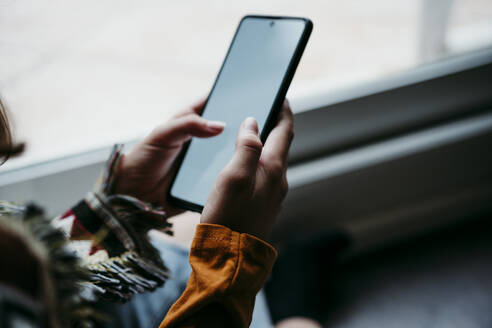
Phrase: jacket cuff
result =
(250, 250)
(229, 268)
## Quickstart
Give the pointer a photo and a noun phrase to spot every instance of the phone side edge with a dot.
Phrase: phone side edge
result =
(291, 70)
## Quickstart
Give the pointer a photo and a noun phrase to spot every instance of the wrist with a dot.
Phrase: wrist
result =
(242, 225)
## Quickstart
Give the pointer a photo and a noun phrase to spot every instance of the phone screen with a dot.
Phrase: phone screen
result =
(247, 85)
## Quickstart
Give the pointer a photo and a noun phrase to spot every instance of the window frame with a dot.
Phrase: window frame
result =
(434, 93)
(348, 172)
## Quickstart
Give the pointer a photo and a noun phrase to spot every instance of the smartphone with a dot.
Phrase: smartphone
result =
(253, 81)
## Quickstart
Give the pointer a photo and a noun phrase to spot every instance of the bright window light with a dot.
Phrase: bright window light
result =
(79, 75)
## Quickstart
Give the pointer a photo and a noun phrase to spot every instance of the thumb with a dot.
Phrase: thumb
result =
(248, 147)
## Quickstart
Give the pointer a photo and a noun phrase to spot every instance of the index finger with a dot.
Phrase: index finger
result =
(278, 142)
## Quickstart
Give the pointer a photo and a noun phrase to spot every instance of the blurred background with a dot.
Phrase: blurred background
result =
(80, 75)
(392, 105)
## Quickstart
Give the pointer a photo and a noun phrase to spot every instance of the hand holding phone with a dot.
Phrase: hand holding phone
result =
(147, 170)
(247, 194)
(249, 191)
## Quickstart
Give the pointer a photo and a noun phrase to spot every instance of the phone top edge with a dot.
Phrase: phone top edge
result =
(305, 19)
(308, 22)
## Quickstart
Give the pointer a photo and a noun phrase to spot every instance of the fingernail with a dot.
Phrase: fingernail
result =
(216, 125)
(250, 124)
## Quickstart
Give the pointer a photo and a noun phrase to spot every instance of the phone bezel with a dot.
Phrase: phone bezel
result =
(274, 111)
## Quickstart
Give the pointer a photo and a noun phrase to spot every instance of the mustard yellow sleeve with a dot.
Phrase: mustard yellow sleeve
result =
(229, 268)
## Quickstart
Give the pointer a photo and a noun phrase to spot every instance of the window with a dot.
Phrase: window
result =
(81, 75)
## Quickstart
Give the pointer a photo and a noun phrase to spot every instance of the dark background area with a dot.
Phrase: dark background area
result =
(439, 279)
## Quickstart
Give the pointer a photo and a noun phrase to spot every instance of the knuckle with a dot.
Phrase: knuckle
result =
(251, 143)
(236, 180)
(276, 170)
(195, 121)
